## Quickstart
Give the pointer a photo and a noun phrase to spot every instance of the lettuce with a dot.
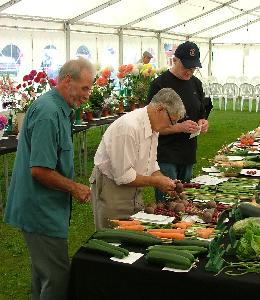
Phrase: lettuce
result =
(249, 245)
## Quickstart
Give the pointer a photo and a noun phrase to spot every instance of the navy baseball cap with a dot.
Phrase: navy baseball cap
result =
(189, 54)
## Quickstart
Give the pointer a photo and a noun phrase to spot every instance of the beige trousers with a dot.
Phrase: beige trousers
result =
(112, 201)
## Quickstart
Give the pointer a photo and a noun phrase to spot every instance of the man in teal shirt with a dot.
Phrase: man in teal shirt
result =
(42, 185)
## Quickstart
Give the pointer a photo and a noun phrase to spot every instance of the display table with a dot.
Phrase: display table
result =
(96, 277)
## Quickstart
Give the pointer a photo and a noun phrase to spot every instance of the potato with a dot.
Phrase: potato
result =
(179, 187)
(207, 217)
(149, 210)
(211, 204)
(179, 207)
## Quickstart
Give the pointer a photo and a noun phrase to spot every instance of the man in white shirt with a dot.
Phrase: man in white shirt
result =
(126, 159)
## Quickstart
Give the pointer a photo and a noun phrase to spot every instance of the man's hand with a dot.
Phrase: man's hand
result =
(165, 184)
(81, 193)
(188, 126)
(204, 125)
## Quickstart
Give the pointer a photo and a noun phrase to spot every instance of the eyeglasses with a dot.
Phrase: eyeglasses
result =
(172, 123)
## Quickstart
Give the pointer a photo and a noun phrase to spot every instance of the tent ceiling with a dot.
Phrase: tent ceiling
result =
(212, 19)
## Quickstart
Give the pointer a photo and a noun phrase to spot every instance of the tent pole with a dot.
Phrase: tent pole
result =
(121, 49)
(159, 38)
(210, 59)
(67, 37)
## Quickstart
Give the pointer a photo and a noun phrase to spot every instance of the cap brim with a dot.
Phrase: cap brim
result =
(190, 64)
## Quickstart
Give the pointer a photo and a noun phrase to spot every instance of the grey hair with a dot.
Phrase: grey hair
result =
(74, 67)
(170, 100)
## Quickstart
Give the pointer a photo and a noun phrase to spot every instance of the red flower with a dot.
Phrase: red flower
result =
(101, 81)
(106, 73)
(24, 84)
(121, 75)
(26, 78)
(31, 76)
(18, 86)
(52, 82)
(37, 79)
(33, 72)
(29, 82)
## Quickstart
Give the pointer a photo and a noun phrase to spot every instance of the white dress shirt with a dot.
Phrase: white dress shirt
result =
(128, 148)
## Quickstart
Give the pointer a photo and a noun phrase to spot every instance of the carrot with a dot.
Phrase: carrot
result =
(168, 235)
(183, 225)
(173, 230)
(135, 227)
(205, 233)
(126, 222)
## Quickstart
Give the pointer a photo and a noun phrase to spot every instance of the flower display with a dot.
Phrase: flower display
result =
(102, 88)
(136, 79)
(34, 85)
(104, 82)
(3, 121)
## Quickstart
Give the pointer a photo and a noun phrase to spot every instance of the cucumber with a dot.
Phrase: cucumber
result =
(127, 236)
(249, 210)
(193, 249)
(168, 259)
(169, 249)
(105, 244)
(191, 242)
(97, 247)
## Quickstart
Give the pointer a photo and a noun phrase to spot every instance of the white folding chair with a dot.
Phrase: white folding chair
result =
(216, 92)
(231, 79)
(212, 79)
(255, 80)
(243, 79)
(230, 91)
(257, 96)
(246, 91)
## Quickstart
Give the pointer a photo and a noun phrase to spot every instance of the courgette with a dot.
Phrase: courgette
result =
(249, 210)
(97, 247)
(105, 244)
(193, 249)
(191, 242)
(164, 258)
(169, 249)
(127, 236)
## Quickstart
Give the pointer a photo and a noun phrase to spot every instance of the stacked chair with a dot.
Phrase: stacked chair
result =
(230, 91)
(216, 93)
(257, 96)
(246, 92)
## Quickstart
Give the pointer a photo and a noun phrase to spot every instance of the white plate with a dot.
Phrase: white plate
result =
(235, 158)
(244, 172)
(152, 218)
(210, 170)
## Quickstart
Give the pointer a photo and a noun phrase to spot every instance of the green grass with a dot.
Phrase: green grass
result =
(224, 128)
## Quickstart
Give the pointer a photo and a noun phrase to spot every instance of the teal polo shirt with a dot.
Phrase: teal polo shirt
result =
(45, 141)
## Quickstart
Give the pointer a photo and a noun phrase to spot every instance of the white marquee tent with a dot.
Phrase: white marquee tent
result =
(37, 33)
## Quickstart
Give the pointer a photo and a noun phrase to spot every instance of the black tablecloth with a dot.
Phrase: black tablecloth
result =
(94, 276)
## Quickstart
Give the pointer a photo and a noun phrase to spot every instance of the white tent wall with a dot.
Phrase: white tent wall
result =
(252, 60)
(132, 46)
(43, 40)
(89, 41)
(24, 44)
(227, 60)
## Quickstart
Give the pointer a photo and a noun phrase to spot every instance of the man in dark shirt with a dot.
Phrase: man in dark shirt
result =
(176, 152)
